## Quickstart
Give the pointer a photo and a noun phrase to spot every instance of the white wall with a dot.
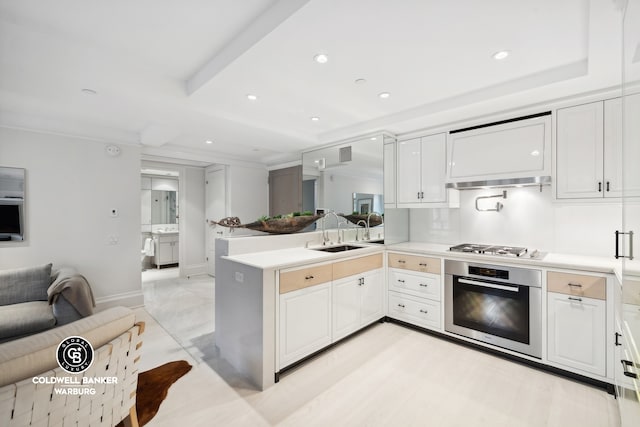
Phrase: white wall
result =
(529, 218)
(71, 186)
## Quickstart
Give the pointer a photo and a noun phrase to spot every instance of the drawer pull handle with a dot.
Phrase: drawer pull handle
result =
(309, 277)
(423, 264)
(401, 261)
(575, 285)
(400, 280)
(625, 364)
(575, 299)
(401, 305)
(423, 285)
(424, 311)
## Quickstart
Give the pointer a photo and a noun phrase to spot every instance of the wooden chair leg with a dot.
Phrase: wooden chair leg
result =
(132, 419)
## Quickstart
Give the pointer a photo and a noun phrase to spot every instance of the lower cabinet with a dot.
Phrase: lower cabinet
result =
(357, 301)
(576, 332)
(415, 290)
(166, 250)
(418, 311)
(322, 303)
(305, 322)
(576, 321)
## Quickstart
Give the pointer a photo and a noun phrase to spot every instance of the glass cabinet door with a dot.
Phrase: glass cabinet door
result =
(628, 315)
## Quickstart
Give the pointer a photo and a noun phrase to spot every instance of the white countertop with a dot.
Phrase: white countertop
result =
(293, 257)
(555, 260)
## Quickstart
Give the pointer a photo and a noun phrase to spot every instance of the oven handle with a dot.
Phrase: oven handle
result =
(490, 285)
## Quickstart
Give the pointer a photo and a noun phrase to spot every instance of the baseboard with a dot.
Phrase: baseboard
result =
(193, 270)
(128, 299)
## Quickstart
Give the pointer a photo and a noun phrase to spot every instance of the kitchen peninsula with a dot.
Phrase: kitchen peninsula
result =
(280, 300)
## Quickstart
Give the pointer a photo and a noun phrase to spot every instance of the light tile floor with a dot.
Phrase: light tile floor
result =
(387, 375)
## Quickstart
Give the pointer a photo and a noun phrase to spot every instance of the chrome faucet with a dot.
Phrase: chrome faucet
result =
(366, 228)
(325, 234)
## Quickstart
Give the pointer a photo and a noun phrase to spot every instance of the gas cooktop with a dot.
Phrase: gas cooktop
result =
(490, 249)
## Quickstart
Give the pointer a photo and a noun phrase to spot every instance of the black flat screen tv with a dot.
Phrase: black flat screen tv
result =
(10, 219)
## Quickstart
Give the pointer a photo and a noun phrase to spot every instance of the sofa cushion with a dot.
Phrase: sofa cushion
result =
(30, 356)
(25, 318)
(24, 284)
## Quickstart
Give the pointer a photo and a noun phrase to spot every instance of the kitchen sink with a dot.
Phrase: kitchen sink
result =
(378, 241)
(338, 248)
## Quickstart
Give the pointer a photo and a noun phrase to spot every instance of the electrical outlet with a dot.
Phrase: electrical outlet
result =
(239, 277)
(112, 240)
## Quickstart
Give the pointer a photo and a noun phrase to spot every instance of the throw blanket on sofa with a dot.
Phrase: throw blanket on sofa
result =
(75, 289)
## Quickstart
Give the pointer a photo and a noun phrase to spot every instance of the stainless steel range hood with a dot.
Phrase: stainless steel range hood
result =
(506, 182)
(508, 153)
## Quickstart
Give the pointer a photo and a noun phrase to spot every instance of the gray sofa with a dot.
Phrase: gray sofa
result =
(35, 299)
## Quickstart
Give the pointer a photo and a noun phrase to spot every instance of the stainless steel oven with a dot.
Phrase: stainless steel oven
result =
(495, 304)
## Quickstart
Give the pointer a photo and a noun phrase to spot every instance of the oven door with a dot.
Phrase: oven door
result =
(506, 315)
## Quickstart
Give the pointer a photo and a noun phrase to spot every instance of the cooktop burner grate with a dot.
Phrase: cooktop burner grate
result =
(489, 249)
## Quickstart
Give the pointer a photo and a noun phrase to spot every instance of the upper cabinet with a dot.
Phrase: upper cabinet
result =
(589, 150)
(421, 170)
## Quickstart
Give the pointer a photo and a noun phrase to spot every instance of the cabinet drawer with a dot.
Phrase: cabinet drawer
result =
(356, 266)
(304, 277)
(422, 285)
(415, 263)
(166, 239)
(577, 284)
(631, 292)
(414, 310)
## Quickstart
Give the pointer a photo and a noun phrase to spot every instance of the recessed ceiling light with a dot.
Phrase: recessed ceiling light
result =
(208, 141)
(255, 149)
(87, 91)
(360, 81)
(384, 95)
(251, 97)
(315, 119)
(373, 138)
(321, 58)
(500, 55)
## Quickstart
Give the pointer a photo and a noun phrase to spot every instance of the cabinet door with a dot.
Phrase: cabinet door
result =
(433, 167)
(372, 297)
(305, 322)
(346, 306)
(577, 332)
(579, 146)
(389, 174)
(176, 251)
(613, 155)
(165, 253)
(409, 178)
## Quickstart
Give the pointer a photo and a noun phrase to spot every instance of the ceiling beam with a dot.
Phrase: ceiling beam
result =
(266, 22)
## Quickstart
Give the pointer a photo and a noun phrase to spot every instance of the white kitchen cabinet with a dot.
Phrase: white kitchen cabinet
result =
(421, 172)
(614, 172)
(576, 332)
(417, 311)
(589, 150)
(305, 322)
(167, 249)
(415, 289)
(357, 302)
(389, 172)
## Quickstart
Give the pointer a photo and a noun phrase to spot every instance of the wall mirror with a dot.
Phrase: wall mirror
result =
(164, 207)
(333, 174)
(12, 200)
